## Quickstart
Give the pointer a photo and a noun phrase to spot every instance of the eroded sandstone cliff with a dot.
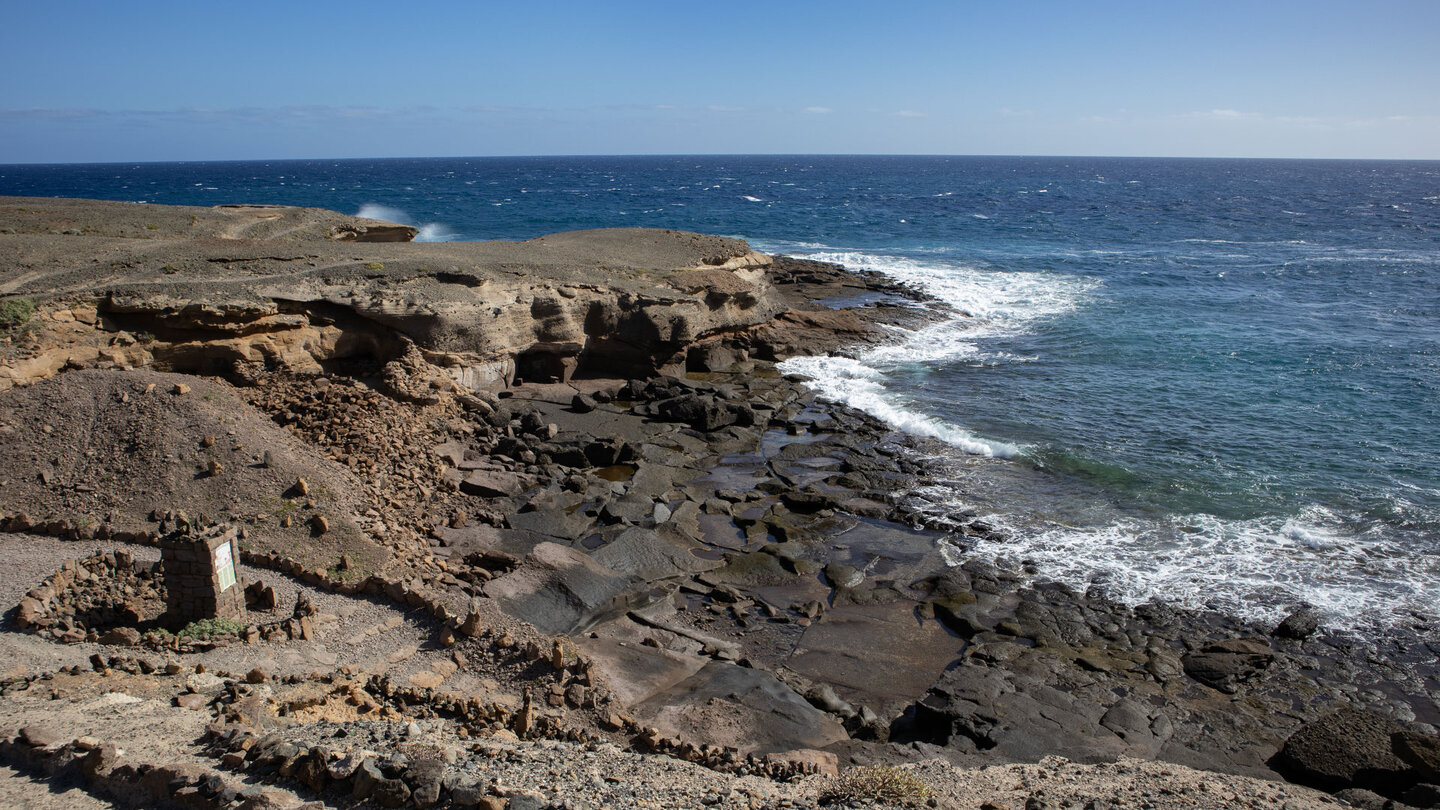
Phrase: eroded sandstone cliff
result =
(240, 290)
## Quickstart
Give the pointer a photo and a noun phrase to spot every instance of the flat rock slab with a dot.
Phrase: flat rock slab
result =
(882, 651)
(980, 709)
(653, 555)
(636, 672)
(560, 590)
(726, 704)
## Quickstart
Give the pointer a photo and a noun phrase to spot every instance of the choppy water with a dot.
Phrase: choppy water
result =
(1208, 381)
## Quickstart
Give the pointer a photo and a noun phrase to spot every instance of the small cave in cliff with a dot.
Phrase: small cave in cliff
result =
(546, 365)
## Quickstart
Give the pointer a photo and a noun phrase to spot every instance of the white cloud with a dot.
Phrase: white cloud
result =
(911, 114)
(818, 110)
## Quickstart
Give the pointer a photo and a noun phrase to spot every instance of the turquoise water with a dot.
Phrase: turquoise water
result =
(1207, 381)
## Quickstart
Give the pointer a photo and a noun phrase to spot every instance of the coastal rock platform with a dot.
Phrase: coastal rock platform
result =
(549, 502)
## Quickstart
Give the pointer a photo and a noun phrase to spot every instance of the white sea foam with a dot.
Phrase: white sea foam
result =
(1257, 569)
(429, 232)
(860, 386)
(1359, 578)
(984, 304)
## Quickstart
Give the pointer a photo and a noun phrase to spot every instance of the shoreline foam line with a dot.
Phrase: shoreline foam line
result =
(1256, 569)
(985, 304)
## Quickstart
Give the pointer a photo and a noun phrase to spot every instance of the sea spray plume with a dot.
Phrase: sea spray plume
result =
(429, 231)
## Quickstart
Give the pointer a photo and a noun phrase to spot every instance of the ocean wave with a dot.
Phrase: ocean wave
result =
(982, 304)
(1359, 577)
(429, 231)
(862, 387)
(995, 301)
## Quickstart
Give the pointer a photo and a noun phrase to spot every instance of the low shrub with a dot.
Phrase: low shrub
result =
(205, 628)
(15, 312)
(876, 783)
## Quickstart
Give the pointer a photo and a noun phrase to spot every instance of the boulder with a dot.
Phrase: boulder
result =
(1226, 664)
(700, 412)
(121, 637)
(1347, 748)
(1301, 623)
(494, 484)
(607, 452)
(1424, 795)
(1421, 751)
(42, 736)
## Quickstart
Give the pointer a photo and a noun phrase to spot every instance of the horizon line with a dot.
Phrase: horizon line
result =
(717, 155)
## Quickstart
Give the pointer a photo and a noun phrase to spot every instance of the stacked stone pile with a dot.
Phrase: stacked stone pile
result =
(88, 596)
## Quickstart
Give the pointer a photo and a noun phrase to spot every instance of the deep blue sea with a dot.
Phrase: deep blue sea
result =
(1214, 382)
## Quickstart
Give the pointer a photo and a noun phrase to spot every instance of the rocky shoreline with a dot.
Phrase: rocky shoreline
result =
(573, 460)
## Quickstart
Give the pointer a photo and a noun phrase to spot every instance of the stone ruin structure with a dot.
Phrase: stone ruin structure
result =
(201, 568)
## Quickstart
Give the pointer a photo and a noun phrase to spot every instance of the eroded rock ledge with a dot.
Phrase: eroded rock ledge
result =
(241, 290)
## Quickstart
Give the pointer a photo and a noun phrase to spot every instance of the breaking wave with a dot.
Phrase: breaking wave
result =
(429, 231)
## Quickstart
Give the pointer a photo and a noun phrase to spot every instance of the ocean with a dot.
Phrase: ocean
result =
(1210, 382)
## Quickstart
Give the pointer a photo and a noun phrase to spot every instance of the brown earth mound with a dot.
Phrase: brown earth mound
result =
(121, 446)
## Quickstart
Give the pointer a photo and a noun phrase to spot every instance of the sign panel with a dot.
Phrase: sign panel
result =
(224, 567)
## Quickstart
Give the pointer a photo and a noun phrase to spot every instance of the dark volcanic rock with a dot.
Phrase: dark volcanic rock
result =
(1422, 796)
(1349, 748)
(978, 709)
(1300, 624)
(1225, 664)
(765, 714)
(561, 590)
(700, 412)
(1422, 751)
(493, 484)
(653, 555)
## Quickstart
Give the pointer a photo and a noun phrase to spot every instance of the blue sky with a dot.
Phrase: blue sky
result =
(111, 81)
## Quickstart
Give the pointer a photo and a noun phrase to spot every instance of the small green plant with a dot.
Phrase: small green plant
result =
(374, 266)
(16, 312)
(145, 337)
(169, 269)
(152, 227)
(877, 783)
(205, 628)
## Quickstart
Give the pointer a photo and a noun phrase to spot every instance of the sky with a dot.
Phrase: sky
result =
(153, 81)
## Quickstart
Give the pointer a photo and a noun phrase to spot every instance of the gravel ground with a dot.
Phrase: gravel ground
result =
(375, 637)
(584, 777)
(367, 634)
(19, 790)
